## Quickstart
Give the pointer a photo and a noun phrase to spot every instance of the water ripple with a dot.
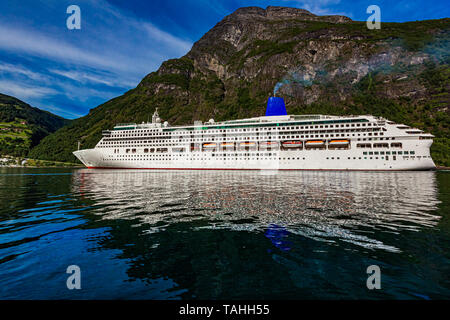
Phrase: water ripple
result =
(319, 205)
(213, 234)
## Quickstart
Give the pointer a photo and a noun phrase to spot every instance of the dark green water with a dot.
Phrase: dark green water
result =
(223, 235)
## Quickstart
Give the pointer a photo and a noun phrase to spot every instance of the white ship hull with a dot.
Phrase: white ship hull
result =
(281, 160)
(265, 143)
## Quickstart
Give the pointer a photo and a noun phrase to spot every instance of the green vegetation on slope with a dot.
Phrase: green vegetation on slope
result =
(22, 127)
(15, 138)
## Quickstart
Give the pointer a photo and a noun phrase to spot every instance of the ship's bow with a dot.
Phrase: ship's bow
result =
(91, 158)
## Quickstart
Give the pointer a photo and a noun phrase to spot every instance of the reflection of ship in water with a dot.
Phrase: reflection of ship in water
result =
(323, 206)
(278, 235)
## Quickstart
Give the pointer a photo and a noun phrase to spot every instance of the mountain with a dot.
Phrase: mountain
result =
(319, 64)
(22, 127)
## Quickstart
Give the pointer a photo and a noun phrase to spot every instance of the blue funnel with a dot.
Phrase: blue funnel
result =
(276, 107)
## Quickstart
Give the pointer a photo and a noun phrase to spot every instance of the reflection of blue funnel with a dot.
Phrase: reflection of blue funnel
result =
(277, 235)
(276, 107)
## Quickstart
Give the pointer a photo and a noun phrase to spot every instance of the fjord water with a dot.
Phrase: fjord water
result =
(223, 235)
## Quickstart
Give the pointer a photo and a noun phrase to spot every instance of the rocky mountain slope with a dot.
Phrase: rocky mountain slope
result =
(22, 127)
(319, 64)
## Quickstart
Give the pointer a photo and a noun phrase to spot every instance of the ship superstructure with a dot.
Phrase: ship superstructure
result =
(276, 141)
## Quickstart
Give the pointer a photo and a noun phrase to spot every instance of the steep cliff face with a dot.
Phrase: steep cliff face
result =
(319, 64)
(242, 58)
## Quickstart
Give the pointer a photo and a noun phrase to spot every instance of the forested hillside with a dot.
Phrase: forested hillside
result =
(22, 127)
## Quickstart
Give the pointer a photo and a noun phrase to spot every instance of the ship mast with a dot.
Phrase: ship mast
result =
(155, 116)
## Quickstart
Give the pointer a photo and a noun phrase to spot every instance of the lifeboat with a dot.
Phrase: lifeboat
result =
(209, 146)
(315, 143)
(268, 144)
(178, 149)
(227, 145)
(247, 144)
(292, 144)
(342, 142)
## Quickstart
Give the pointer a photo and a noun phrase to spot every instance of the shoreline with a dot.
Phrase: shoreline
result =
(36, 167)
(19, 162)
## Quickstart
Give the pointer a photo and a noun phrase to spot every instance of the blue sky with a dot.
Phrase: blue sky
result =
(68, 72)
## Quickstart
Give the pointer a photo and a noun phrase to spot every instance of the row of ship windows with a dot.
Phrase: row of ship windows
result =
(107, 143)
(268, 158)
(165, 135)
(388, 153)
(379, 145)
(196, 156)
(358, 145)
(375, 153)
(165, 150)
(155, 131)
(250, 136)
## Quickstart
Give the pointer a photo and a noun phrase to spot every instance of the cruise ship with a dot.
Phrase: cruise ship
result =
(276, 141)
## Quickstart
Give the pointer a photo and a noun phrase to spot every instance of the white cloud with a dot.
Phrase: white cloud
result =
(36, 44)
(35, 95)
(111, 53)
(111, 80)
(319, 7)
(60, 111)
(116, 42)
(18, 70)
(84, 93)
(137, 26)
(24, 92)
(164, 37)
